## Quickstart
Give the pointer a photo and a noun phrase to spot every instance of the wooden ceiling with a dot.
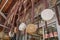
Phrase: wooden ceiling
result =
(10, 4)
(9, 9)
(7, 6)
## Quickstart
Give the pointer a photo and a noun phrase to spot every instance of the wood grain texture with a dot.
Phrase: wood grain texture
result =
(8, 6)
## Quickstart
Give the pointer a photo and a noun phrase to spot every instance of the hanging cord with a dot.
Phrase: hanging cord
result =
(32, 13)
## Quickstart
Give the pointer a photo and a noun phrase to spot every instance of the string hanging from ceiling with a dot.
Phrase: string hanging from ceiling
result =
(31, 28)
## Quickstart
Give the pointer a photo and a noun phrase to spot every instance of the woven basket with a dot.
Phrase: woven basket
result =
(31, 28)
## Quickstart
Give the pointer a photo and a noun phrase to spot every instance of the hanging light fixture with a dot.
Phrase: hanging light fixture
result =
(47, 14)
(22, 26)
(31, 28)
(11, 34)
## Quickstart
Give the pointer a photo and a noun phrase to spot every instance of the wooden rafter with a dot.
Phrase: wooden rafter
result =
(28, 9)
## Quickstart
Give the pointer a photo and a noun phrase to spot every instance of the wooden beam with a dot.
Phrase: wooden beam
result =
(2, 9)
(4, 5)
(2, 14)
(4, 26)
(57, 14)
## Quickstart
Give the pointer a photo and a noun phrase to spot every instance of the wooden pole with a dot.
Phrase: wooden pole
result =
(4, 26)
